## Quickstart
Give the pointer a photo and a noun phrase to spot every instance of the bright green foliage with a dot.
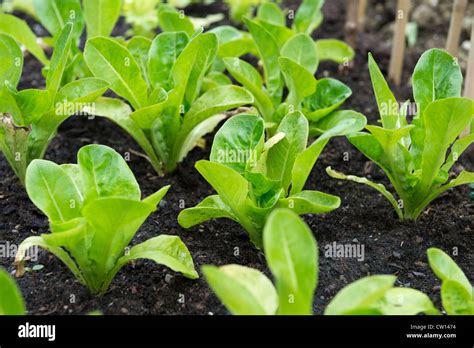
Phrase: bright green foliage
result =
(252, 176)
(376, 295)
(145, 17)
(11, 301)
(21, 32)
(29, 118)
(415, 156)
(95, 209)
(290, 59)
(97, 17)
(456, 290)
(238, 9)
(54, 15)
(162, 81)
(174, 21)
(100, 16)
(308, 17)
(292, 255)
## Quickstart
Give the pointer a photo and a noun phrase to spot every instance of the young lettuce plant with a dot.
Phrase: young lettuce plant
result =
(11, 301)
(290, 59)
(30, 118)
(292, 255)
(162, 81)
(307, 18)
(253, 177)
(291, 64)
(414, 156)
(230, 41)
(97, 17)
(94, 208)
(456, 290)
(376, 295)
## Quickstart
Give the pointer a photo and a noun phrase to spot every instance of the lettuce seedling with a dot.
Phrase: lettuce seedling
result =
(97, 17)
(456, 290)
(289, 61)
(30, 118)
(146, 19)
(11, 301)
(306, 20)
(25, 6)
(292, 255)
(230, 41)
(95, 209)
(376, 295)
(253, 177)
(162, 81)
(414, 156)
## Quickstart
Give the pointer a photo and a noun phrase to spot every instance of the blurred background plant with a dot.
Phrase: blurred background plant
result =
(25, 6)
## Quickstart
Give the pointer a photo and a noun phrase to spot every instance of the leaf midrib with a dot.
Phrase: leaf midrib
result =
(290, 262)
(50, 193)
(134, 102)
(58, 15)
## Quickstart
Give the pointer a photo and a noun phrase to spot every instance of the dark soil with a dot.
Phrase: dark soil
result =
(365, 217)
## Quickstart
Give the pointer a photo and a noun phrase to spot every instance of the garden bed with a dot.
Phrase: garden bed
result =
(365, 217)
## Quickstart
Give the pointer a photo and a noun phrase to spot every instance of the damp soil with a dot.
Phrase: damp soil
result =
(365, 217)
